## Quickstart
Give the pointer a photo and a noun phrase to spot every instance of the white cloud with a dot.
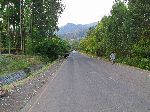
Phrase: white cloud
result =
(84, 11)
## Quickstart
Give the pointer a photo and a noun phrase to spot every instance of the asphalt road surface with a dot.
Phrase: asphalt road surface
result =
(85, 84)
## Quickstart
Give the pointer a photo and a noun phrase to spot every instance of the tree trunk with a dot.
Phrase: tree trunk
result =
(9, 41)
(0, 43)
(0, 35)
(21, 38)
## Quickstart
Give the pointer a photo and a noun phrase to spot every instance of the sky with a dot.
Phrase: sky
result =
(84, 11)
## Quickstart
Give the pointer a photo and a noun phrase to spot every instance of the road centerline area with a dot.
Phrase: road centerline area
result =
(85, 85)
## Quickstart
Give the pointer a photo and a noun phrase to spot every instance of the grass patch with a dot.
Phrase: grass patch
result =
(13, 63)
(30, 77)
(143, 63)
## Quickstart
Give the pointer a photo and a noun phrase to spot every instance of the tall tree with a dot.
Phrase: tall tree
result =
(140, 18)
(28, 20)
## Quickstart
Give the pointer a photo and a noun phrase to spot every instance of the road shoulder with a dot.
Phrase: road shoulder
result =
(23, 94)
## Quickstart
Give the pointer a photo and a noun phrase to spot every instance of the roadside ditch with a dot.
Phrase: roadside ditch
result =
(21, 90)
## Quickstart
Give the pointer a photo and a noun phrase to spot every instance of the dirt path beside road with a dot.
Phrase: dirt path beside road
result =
(22, 94)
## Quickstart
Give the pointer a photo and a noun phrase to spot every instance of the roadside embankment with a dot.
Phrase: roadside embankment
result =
(22, 91)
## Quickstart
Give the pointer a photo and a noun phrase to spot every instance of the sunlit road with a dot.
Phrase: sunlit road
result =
(86, 84)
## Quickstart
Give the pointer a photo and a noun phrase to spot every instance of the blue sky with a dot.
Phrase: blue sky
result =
(84, 11)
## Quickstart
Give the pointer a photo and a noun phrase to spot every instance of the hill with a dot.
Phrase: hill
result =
(73, 31)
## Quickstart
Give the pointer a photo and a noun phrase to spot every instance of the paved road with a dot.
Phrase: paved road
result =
(85, 84)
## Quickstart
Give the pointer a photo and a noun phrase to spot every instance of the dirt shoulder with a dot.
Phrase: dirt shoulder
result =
(20, 95)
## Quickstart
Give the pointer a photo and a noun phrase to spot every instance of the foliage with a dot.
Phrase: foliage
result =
(142, 48)
(52, 48)
(12, 63)
(29, 26)
(24, 23)
(125, 31)
(75, 44)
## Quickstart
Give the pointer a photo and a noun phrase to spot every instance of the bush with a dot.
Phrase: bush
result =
(143, 63)
(13, 63)
(52, 48)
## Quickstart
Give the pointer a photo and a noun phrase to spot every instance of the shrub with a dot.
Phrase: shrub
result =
(52, 48)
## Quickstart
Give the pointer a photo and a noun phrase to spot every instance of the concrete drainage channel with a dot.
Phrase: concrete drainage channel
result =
(12, 77)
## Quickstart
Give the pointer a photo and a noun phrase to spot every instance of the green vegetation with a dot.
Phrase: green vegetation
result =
(125, 31)
(30, 77)
(52, 48)
(13, 63)
(75, 44)
(27, 27)
(34, 22)
(25, 23)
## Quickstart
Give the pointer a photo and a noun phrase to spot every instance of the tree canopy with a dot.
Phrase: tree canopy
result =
(25, 24)
(125, 31)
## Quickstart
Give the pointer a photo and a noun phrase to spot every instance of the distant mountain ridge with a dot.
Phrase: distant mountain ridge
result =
(73, 31)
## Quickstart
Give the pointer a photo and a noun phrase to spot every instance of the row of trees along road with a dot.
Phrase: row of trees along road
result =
(125, 31)
(26, 24)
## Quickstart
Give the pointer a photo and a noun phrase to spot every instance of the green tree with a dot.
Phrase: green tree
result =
(126, 31)
(52, 48)
(28, 22)
(140, 18)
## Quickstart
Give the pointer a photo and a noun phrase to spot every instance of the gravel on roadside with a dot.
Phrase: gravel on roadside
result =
(21, 95)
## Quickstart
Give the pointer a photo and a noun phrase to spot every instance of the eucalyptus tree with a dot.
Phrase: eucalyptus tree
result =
(119, 39)
(28, 20)
(126, 31)
(140, 22)
(44, 18)
(0, 28)
(10, 20)
(140, 16)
